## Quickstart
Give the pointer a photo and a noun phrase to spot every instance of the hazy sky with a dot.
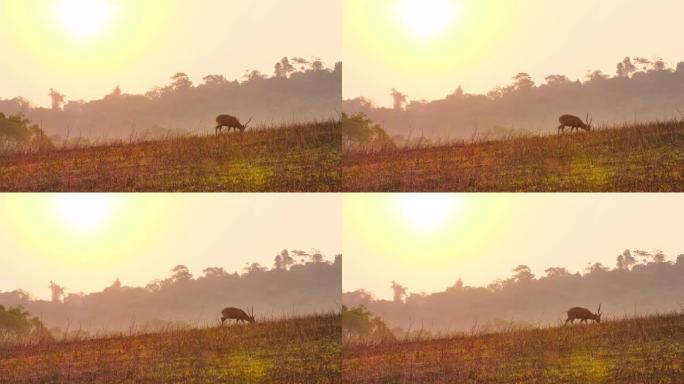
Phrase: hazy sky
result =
(426, 48)
(427, 241)
(84, 48)
(85, 241)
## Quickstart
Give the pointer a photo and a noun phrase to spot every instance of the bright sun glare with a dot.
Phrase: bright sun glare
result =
(427, 210)
(83, 18)
(84, 211)
(426, 18)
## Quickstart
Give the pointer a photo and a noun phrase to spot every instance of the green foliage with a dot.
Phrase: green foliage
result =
(359, 132)
(17, 322)
(17, 132)
(358, 323)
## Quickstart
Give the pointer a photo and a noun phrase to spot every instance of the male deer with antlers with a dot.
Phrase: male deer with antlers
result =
(574, 122)
(583, 315)
(230, 122)
(237, 314)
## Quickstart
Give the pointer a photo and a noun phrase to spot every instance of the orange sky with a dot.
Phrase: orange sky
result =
(86, 241)
(486, 42)
(141, 43)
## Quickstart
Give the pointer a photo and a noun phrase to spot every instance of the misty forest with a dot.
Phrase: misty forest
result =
(641, 90)
(299, 283)
(641, 283)
(299, 90)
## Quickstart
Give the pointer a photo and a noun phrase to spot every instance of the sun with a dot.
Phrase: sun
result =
(427, 210)
(427, 18)
(83, 18)
(84, 211)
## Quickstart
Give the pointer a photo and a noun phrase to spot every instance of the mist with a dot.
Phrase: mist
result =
(298, 283)
(641, 89)
(640, 283)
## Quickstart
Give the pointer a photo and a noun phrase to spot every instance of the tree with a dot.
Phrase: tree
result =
(523, 81)
(283, 260)
(556, 80)
(254, 75)
(255, 268)
(523, 273)
(283, 68)
(214, 79)
(180, 82)
(555, 272)
(214, 272)
(57, 99)
(625, 68)
(17, 321)
(15, 131)
(596, 75)
(596, 268)
(57, 292)
(399, 292)
(625, 261)
(399, 99)
(181, 273)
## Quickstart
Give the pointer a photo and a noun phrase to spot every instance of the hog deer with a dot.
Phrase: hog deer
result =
(236, 314)
(574, 122)
(583, 315)
(230, 122)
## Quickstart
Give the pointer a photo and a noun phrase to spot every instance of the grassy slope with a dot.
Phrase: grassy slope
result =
(648, 157)
(305, 350)
(640, 350)
(297, 158)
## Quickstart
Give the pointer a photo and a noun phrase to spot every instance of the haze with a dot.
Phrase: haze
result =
(86, 241)
(138, 44)
(426, 242)
(487, 42)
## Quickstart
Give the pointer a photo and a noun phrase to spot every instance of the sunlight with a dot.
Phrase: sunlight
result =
(427, 210)
(84, 211)
(83, 18)
(426, 18)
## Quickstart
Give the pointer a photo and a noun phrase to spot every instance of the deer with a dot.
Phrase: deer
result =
(583, 315)
(574, 122)
(230, 122)
(237, 314)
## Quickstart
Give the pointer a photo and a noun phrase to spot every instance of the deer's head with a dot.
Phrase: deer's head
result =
(597, 316)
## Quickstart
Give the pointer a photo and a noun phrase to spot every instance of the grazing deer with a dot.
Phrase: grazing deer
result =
(236, 314)
(583, 315)
(574, 122)
(230, 122)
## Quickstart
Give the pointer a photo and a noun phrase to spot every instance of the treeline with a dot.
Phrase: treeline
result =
(641, 283)
(641, 89)
(299, 90)
(298, 283)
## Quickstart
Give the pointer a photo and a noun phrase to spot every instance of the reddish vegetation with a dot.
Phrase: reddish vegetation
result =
(643, 157)
(296, 158)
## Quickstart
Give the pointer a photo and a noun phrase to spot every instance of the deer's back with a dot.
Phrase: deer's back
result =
(579, 313)
(570, 120)
(227, 120)
(233, 313)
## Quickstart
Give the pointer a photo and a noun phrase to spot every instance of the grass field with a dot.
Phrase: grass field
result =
(646, 157)
(295, 158)
(302, 350)
(640, 351)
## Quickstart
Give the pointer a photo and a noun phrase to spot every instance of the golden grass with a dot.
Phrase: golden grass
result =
(641, 157)
(299, 350)
(302, 157)
(638, 350)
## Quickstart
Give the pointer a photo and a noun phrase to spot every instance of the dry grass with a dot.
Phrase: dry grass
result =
(301, 350)
(643, 157)
(638, 350)
(295, 158)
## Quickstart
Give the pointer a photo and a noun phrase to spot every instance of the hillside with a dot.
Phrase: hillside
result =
(298, 350)
(637, 350)
(641, 157)
(295, 158)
